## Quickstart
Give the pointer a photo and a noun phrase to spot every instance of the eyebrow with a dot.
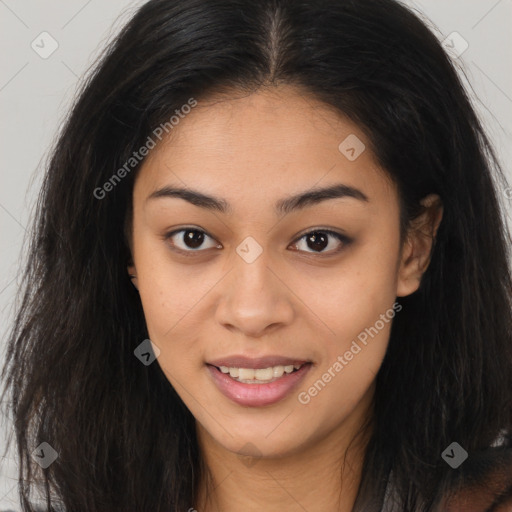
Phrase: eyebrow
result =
(283, 206)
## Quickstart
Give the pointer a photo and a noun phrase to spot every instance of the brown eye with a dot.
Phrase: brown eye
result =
(191, 240)
(321, 241)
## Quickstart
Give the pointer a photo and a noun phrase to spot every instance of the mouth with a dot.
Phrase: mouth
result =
(257, 382)
(259, 375)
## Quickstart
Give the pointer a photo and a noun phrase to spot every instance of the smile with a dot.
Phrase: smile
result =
(260, 375)
(258, 387)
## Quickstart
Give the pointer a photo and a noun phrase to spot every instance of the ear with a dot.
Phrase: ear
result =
(418, 246)
(132, 272)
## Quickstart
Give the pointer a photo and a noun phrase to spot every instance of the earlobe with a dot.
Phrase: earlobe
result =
(418, 247)
(132, 274)
(408, 275)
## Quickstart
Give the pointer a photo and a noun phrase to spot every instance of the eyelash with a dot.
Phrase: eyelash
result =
(191, 253)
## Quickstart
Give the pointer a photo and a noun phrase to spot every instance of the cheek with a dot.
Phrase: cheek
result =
(165, 289)
(355, 302)
(168, 304)
(351, 295)
(353, 355)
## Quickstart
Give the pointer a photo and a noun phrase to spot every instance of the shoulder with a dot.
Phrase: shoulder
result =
(484, 483)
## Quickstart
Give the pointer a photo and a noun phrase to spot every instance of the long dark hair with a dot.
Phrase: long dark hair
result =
(125, 440)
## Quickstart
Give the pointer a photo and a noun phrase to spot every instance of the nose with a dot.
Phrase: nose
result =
(255, 299)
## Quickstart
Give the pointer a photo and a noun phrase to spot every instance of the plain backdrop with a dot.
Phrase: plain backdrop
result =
(36, 92)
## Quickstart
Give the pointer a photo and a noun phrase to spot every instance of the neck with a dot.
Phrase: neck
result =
(322, 476)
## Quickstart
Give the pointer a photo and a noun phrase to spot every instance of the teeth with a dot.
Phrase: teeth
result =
(277, 371)
(260, 374)
(244, 373)
(266, 374)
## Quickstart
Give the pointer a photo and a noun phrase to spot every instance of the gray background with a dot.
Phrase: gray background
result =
(35, 94)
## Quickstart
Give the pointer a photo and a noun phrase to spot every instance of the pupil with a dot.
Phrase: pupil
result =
(193, 238)
(317, 240)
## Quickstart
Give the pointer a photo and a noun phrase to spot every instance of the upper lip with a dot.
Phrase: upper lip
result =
(239, 361)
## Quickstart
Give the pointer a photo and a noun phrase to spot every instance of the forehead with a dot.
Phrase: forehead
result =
(260, 145)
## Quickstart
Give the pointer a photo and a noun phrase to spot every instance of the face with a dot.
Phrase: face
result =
(243, 264)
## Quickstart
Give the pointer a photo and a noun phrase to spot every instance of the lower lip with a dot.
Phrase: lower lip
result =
(258, 395)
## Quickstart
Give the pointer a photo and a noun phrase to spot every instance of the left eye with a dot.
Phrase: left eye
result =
(320, 241)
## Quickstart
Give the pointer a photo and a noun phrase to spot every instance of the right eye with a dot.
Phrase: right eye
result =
(189, 240)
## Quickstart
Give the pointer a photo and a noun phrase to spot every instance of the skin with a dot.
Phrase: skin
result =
(293, 300)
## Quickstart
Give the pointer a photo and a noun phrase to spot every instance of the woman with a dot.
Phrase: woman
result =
(268, 271)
